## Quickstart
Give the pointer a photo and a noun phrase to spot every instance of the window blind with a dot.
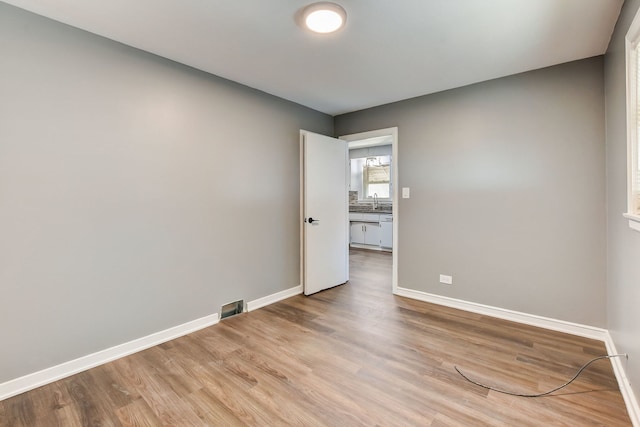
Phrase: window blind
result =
(635, 160)
(378, 174)
(634, 191)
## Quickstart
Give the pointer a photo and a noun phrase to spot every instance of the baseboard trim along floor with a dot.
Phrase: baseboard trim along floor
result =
(273, 298)
(628, 395)
(501, 313)
(546, 323)
(66, 369)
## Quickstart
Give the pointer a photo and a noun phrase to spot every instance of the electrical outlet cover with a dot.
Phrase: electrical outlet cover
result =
(447, 280)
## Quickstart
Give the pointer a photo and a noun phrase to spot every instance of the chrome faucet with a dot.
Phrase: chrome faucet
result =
(375, 201)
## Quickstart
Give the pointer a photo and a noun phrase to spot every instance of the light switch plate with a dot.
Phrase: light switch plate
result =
(406, 193)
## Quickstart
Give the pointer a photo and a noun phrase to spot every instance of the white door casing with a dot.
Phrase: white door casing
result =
(325, 212)
(367, 139)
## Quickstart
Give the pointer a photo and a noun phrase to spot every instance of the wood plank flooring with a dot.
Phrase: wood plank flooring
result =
(349, 356)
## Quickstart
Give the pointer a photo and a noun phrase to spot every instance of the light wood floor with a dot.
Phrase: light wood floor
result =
(351, 355)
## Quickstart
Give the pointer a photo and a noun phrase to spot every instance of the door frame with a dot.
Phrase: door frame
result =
(393, 133)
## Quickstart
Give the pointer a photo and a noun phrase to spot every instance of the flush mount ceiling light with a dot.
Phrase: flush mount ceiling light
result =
(324, 17)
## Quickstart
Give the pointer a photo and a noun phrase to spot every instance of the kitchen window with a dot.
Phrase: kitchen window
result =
(633, 123)
(371, 173)
(376, 179)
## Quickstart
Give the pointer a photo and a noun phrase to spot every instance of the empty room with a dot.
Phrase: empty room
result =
(286, 212)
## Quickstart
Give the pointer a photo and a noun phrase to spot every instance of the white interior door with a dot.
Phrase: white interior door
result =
(325, 212)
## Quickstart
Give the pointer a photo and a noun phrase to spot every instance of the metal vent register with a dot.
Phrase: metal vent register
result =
(231, 309)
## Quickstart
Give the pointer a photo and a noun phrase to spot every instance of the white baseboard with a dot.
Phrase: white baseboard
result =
(66, 369)
(623, 382)
(501, 313)
(270, 299)
(547, 323)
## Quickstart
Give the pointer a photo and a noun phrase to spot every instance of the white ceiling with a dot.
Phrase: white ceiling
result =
(389, 50)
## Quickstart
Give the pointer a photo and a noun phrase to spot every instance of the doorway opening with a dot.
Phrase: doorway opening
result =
(373, 193)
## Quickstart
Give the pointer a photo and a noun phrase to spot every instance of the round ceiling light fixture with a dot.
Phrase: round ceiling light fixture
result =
(324, 17)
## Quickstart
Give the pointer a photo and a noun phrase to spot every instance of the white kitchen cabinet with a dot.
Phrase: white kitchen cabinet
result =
(386, 231)
(357, 232)
(372, 234)
(364, 217)
(365, 233)
(369, 217)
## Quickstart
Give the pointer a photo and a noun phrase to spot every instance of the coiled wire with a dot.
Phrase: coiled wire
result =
(511, 393)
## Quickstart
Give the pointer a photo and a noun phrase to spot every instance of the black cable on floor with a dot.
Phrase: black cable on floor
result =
(547, 392)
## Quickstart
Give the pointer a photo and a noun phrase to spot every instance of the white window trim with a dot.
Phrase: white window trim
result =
(632, 39)
(634, 221)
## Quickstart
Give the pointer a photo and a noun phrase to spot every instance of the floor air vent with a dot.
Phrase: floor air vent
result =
(231, 309)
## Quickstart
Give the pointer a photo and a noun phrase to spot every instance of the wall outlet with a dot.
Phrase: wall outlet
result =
(406, 192)
(447, 280)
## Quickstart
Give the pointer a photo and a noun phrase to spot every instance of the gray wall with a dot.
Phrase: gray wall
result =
(136, 194)
(623, 261)
(507, 191)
